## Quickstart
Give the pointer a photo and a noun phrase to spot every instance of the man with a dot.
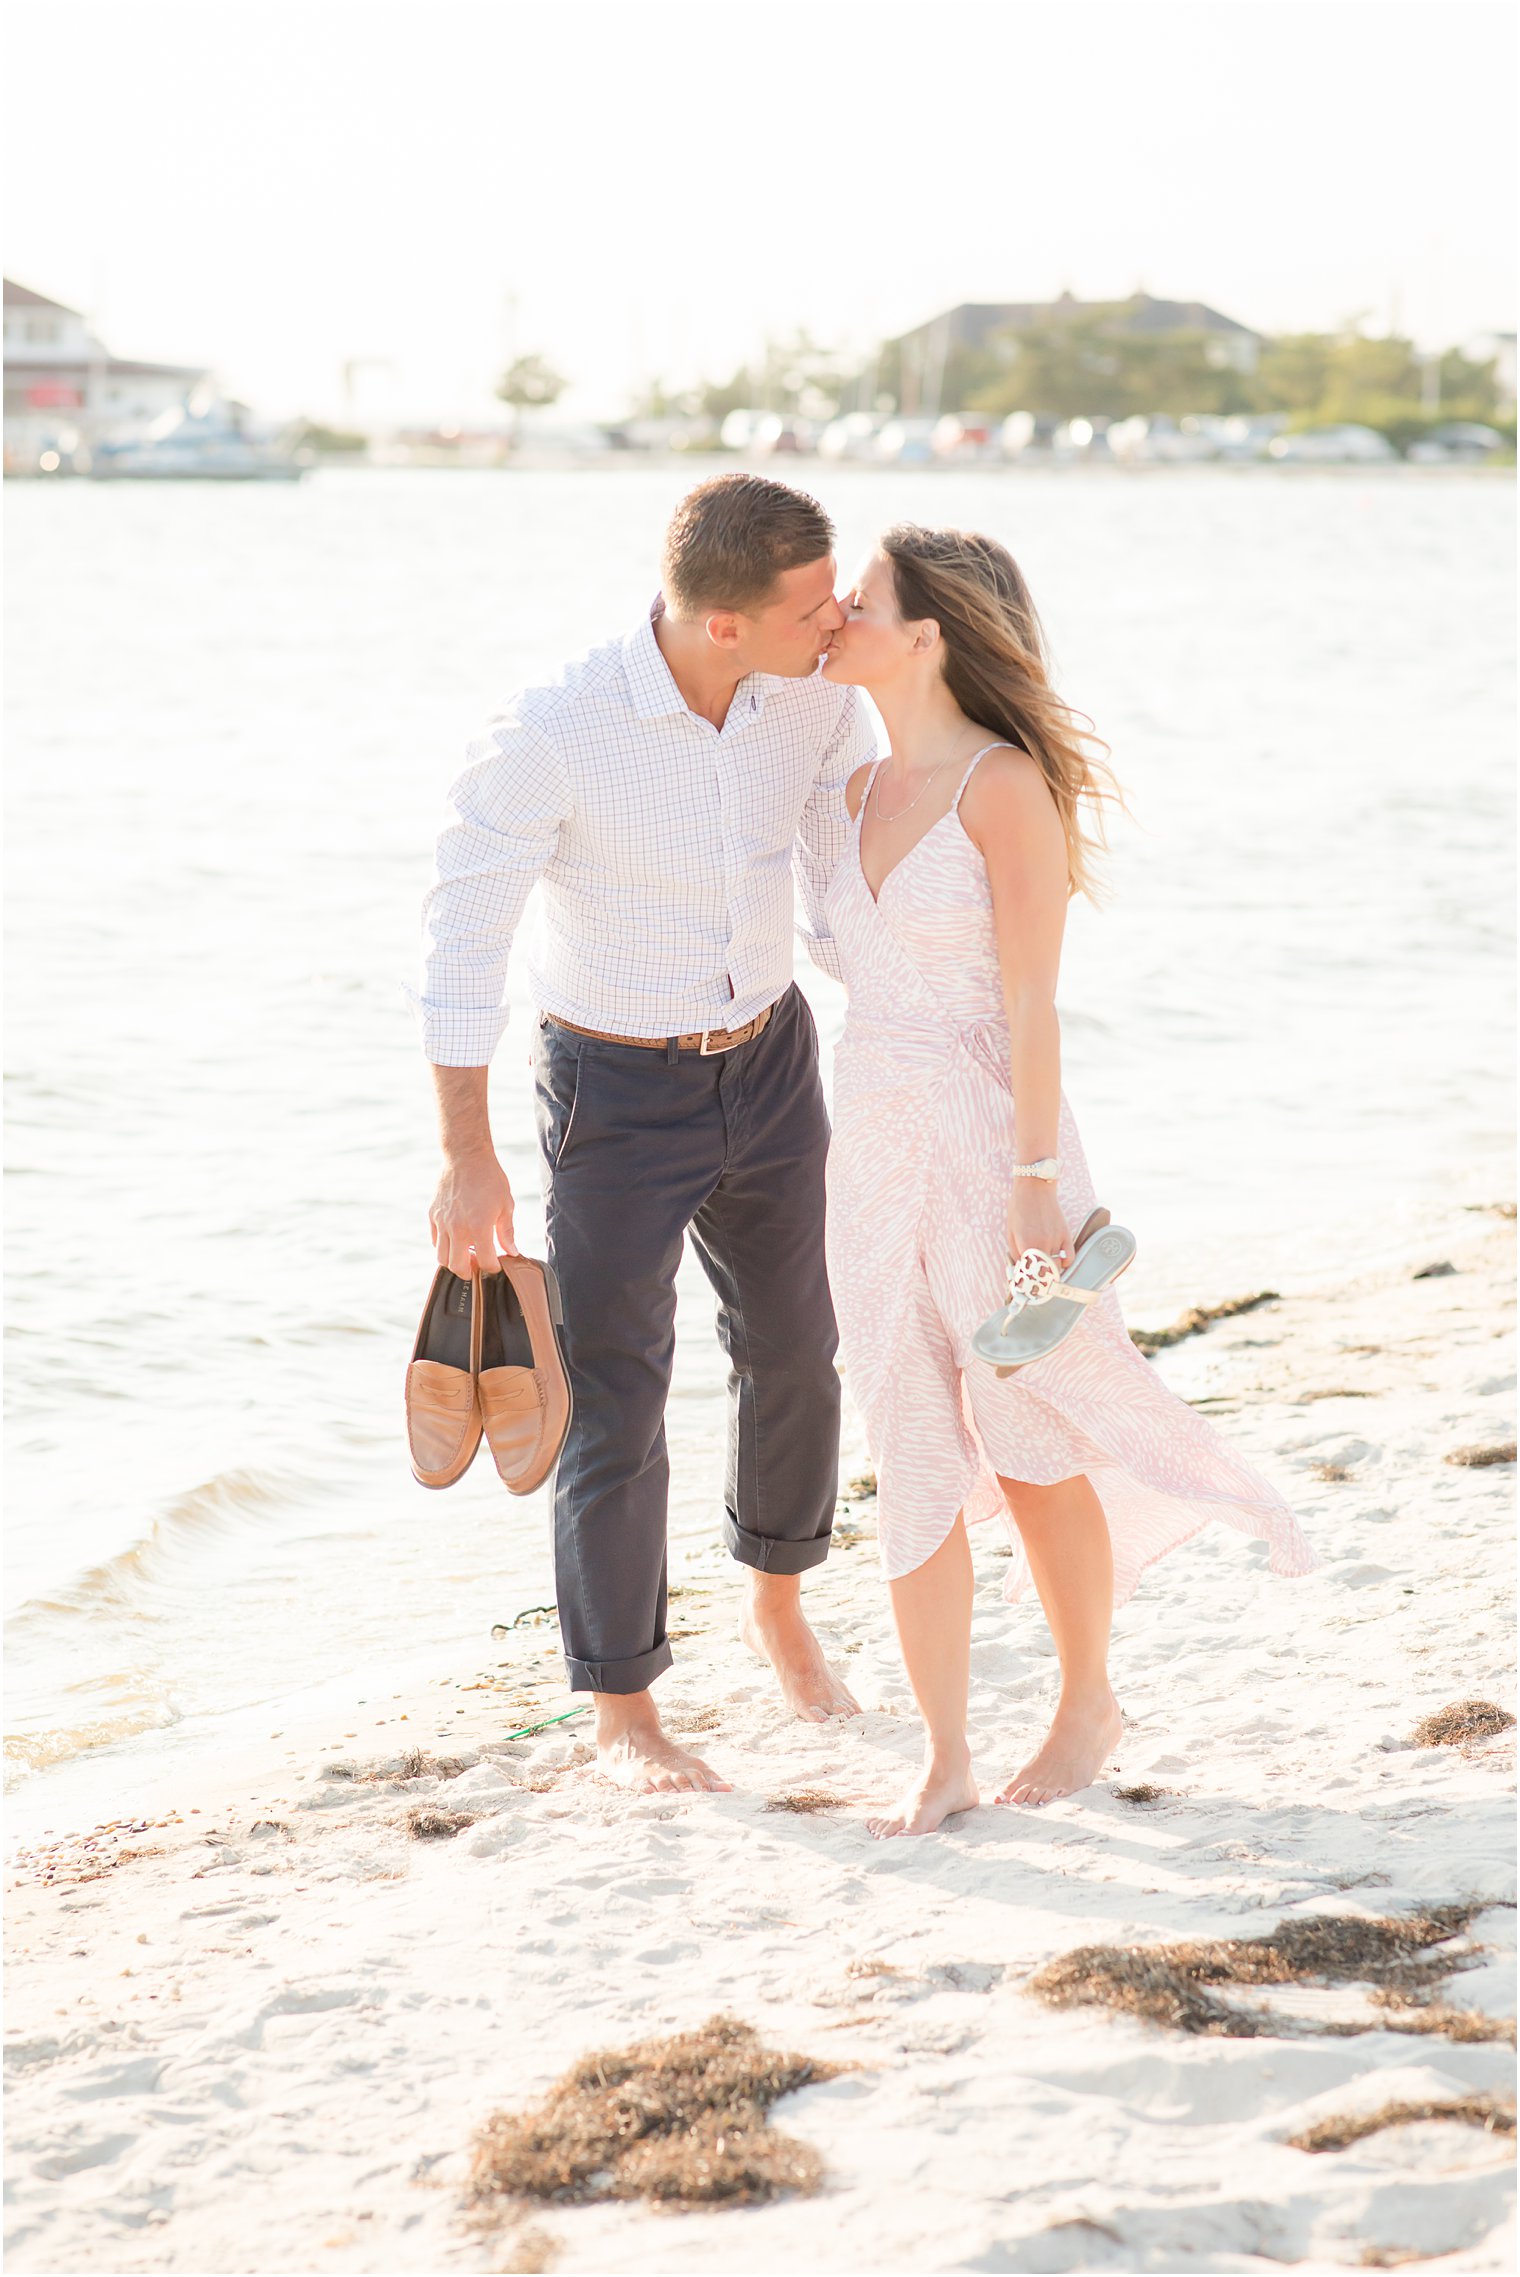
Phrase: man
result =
(664, 790)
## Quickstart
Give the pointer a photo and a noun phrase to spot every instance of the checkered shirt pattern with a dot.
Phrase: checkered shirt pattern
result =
(666, 850)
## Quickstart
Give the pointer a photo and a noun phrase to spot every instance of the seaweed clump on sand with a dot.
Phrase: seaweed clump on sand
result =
(425, 1823)
(1489, 2112)
(1196, 1319)
(415, 1764)
(1168, 1984)
(418, 1764)
(680, 2121)
(803, 1801)
(1461, 1723)
(1416, 2012)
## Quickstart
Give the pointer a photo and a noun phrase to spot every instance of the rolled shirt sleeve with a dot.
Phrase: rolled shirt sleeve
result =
(823, 833)
(503, 825)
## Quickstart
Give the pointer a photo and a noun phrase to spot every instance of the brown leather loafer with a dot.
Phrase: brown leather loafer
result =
(442, 1409)
(524, 1391)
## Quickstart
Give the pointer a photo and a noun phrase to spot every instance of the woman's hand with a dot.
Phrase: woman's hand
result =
(1035, 1221)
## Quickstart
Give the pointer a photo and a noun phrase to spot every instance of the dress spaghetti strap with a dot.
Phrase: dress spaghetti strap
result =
(865, 796)
(976, 759)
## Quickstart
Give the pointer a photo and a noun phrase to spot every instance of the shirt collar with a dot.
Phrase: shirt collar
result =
(652, 684)
(655, 694)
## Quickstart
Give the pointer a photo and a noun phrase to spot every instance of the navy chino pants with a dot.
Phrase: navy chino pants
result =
(639, 1148)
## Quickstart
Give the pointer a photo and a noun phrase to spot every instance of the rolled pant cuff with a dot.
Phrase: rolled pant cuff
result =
(768, 1555)
(634, 1675)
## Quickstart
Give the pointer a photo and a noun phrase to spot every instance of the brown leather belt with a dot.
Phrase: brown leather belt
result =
(707, 1041)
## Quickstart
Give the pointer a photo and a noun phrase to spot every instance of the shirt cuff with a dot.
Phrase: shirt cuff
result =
(824, 951)
(455, 1037)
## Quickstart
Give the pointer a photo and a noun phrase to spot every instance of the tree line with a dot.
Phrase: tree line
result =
(1087, 365)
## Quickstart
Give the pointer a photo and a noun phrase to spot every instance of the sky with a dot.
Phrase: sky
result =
(422, 188)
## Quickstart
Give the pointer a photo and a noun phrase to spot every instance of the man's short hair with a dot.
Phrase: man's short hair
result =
(730, 539)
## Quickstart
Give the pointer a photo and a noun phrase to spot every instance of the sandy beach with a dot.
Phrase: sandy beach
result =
(256, 2026)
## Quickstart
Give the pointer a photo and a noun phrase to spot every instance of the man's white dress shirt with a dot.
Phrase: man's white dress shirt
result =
(666, 850)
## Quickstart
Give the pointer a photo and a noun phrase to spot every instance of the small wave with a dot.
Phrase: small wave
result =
(29, 1752)
(210, 1512)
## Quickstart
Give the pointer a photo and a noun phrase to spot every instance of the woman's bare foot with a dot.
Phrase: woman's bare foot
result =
(774, 1628)
(1081, 1734)
(633, 1751)
(941, 1789)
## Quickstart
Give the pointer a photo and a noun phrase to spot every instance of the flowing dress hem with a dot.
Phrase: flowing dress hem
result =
(1289, 1555)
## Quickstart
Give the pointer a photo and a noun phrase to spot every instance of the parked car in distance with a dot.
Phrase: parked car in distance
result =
(1243, 434)
(1461, 442)
(738, 429)
(1345, 445)
(1085, 439)
(640, 434)
(1027, 434)
(964, 435)
(1159, 439)
(851, 436)
(907, 442)
(776, 435)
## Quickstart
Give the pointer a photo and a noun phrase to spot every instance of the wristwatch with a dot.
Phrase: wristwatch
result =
(1047, 1167)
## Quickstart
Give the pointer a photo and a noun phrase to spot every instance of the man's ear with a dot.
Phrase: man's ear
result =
(725, 628)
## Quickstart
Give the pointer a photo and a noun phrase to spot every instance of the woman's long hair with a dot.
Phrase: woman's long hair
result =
(996, 668)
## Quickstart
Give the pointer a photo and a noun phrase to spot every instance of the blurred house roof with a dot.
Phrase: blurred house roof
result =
(973, 323)
(22, 296)
(116, 367)
(1145, 314)
(69, 363)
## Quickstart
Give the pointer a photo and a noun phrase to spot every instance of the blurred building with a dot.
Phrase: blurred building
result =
(58, 374)
(919, 359)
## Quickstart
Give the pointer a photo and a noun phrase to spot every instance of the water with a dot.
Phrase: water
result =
(234, 714)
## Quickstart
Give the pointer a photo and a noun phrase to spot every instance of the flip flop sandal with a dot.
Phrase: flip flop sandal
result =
(1044, 1304)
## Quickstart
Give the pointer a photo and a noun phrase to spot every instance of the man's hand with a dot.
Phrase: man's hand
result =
(472, 1209)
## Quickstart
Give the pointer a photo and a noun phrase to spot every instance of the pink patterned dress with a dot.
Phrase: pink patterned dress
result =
(919, 1177)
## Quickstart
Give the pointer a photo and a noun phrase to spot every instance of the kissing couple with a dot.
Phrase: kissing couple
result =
(667, 793)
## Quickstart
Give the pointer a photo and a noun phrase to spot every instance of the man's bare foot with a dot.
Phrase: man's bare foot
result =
(941, 1789)
(1081, 1734)
(633, 1751)
(774, 1627)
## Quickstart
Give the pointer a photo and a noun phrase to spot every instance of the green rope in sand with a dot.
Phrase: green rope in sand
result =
(529, 1729)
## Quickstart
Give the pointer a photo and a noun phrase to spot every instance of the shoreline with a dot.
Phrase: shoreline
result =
(279, 2013)
(135, 1763)
(697, 465)
(153, 1763)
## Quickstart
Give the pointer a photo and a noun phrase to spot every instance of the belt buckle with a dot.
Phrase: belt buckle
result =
(734, 1036)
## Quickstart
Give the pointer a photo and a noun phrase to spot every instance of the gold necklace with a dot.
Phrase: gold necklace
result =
(918, 794)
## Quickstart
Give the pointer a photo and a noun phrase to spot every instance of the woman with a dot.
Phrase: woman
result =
(949, 909)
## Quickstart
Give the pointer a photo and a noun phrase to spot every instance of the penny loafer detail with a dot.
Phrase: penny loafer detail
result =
(524, 1391)
(442, 1408)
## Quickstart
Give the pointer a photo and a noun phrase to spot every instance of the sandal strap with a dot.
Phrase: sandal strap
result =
(1067, 1289)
